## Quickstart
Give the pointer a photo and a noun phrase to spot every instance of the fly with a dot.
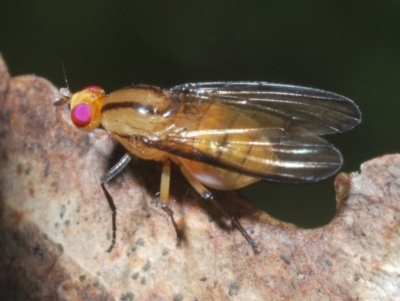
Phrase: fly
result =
(222, 135)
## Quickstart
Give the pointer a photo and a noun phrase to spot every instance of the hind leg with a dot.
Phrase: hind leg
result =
(207, 195)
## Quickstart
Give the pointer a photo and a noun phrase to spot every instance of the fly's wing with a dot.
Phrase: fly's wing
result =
(262, 130)
(318, 112)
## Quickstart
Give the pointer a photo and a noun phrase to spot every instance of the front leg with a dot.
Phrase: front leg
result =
(115, 170)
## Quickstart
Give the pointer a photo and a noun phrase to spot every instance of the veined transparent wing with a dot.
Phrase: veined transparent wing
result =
(317, 111)
(259, 129)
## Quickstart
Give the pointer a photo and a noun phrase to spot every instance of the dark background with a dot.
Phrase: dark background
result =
(348, 47)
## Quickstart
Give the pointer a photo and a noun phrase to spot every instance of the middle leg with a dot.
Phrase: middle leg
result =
(164, 197)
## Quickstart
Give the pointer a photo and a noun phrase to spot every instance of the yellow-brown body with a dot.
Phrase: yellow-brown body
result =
(137, 114)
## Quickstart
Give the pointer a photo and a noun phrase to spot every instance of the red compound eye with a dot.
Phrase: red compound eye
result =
(94, 88)
(81, 115)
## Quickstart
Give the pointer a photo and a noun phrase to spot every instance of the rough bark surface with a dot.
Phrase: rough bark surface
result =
(56, 224)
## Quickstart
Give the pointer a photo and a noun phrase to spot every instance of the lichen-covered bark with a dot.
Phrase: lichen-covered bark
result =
(56, 224)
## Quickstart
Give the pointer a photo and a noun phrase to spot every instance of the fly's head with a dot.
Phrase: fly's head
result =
(85, 106)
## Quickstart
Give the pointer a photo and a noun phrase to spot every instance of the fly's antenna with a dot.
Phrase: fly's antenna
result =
(65, 76)
(65, 93)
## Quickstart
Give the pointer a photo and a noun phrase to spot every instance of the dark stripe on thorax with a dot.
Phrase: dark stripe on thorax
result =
(128, 105)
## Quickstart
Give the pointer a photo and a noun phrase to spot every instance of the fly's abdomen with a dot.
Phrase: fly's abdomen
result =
(235, 141)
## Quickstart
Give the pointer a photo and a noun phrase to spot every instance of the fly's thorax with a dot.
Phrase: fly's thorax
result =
(139, 111)
(146, 100)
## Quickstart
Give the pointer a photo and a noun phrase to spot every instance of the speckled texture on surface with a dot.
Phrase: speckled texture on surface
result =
(56, 224)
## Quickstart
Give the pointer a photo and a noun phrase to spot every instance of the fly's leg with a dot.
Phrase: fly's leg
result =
(207, 195)
(116, 169)
(164, 196)
(164, 187)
